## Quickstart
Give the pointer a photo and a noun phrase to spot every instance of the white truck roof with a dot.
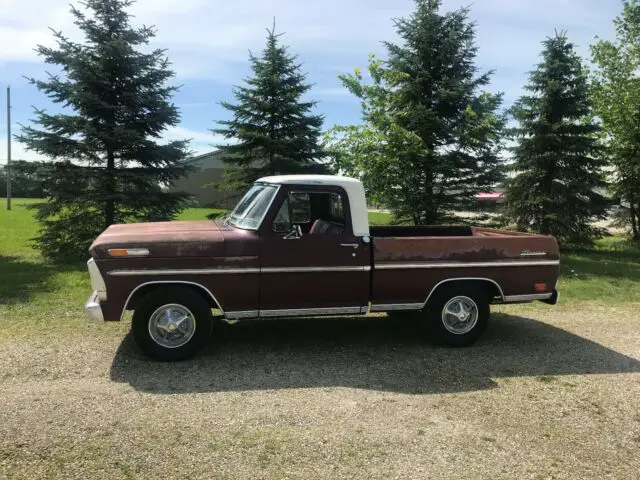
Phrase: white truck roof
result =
(353, 187)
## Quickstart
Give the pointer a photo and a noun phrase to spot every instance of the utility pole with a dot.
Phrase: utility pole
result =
(8, 148)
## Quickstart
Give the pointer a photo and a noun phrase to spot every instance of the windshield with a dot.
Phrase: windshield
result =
(253, 206)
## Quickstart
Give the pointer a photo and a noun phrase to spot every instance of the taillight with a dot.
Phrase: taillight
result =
(540, 287)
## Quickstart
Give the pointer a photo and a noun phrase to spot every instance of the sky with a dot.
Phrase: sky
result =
(208, 42)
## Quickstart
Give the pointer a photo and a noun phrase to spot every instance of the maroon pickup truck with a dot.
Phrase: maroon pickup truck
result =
(302, 246)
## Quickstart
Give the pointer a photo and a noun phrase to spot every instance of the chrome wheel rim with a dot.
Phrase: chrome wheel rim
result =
(172, 325)
(460, 315)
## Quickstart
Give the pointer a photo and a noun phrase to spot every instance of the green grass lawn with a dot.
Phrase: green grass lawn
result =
(34, 290)
(609, 272)
(199, 213)
(380, 218)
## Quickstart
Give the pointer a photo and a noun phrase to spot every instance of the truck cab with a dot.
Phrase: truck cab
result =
(301, 245)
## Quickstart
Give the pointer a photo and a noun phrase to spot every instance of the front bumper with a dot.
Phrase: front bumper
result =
(93, 308)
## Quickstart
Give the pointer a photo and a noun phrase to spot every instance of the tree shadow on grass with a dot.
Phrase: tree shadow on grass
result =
(20, 280)
(370, 353)
(601, 263)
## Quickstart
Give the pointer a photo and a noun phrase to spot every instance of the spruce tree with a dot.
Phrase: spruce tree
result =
(431, 136)
(273, 129)
(109, 164)
(557, 156)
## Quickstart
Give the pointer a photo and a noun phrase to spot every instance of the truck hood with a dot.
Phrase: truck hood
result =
(163, 239)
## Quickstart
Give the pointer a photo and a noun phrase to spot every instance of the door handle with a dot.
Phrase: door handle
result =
(352, 245)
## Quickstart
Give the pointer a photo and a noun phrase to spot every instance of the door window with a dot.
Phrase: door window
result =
(316, 213)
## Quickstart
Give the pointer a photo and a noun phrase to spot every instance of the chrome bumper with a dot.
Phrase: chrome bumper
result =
(553, 299)
(93, 308)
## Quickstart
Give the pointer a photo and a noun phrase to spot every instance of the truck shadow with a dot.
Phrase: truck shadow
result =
(372, 353)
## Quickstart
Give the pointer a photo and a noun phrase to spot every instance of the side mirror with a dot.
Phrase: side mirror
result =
(295, 234)
(282, 227)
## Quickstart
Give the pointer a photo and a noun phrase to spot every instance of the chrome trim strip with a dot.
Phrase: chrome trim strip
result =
(464, 279)
(388, 307)
(217, 303)
(533, 254)
(304, 312)
(528, 298)
(195, 271)
(233, 271)
(314, 269)
(242, 314)
(517, 263)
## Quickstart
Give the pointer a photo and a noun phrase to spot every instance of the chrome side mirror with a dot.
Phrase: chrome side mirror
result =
(295, 234)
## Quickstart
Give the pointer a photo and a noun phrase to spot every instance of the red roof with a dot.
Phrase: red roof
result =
(489, 196)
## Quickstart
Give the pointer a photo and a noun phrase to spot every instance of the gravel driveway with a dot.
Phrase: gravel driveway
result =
(548, 393)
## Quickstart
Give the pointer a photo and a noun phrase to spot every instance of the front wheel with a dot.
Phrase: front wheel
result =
(172, 324)
(457, 316)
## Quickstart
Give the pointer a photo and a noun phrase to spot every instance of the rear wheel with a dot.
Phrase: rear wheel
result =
(172, 324)
(457, 315)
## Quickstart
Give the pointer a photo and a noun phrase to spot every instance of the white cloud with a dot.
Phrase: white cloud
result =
(27, 24)
(181, 133)
(18, 151)
(19, 44)
(203, 36)
(201, 141)
(209, 40)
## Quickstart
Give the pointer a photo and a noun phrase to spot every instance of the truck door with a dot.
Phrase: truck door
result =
(311, 262)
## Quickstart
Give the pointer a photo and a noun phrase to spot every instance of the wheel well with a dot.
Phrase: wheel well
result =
(492, 288)
(143, 290)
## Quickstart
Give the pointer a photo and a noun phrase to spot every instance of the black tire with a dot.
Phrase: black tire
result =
(185, 298)
(435, 325)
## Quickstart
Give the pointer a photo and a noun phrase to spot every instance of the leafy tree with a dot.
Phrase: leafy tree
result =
(616, 94)
(558, 159)
(110, 166)
(273, 129)
(431, 137)
(27, 179)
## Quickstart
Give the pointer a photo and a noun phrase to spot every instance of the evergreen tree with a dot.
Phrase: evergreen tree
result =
(273, 128)
(110, 167)
(557, 157)
(431, 137)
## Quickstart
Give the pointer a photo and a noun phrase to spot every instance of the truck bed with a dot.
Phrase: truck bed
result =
(409, 262)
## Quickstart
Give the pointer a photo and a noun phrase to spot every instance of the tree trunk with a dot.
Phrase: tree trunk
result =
(109, 208)
(635, 222)
(545, 227)
(431, 214)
